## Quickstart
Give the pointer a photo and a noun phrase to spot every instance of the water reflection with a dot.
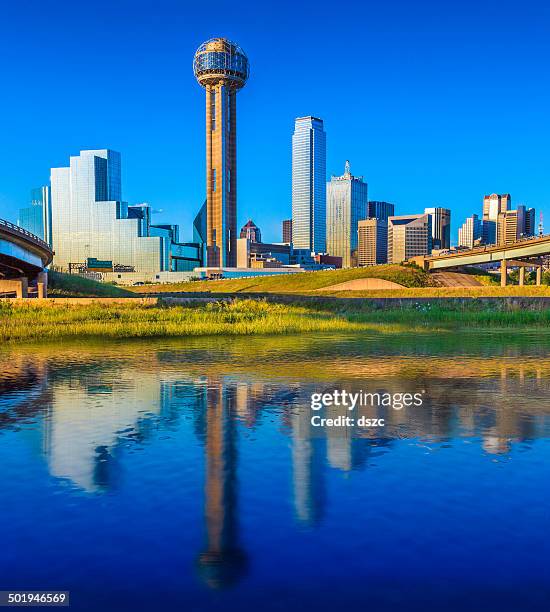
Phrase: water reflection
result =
(91, 404)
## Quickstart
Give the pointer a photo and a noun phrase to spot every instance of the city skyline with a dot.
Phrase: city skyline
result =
(399, 147)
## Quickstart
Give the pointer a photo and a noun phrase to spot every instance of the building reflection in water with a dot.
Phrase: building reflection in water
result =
(223, 562)
(87, 413)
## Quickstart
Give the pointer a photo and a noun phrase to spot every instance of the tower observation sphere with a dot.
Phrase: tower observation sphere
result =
(222, 68)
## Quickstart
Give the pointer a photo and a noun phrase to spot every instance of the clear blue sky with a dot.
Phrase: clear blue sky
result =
(433, 102)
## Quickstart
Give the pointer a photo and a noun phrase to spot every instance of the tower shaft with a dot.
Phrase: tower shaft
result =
(221, 175)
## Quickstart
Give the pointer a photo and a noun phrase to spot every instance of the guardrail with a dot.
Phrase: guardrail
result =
(19, 231)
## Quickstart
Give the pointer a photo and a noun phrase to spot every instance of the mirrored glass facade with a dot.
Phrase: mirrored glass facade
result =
(309, 191)
(37, 218)
(90, 220)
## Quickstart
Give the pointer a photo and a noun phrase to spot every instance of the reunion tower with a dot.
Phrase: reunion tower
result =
(221, 67)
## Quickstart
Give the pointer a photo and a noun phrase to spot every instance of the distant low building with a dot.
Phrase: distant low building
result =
(287, 230)
(372, 242)
(409, 236)
(251, 231)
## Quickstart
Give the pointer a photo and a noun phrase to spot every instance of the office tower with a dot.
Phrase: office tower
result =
(287, 231)
(37, 218)
(530, 222)
(90, 220)
(380, 210)
(470, 233)
(346, 205)
(251, 231)
(372, 242)
(441, 227)
(409, 236)
(493, 205)
(309, 190)
(221, 67)
(511, 225)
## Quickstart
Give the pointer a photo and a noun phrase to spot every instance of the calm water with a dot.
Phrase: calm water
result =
(186, 475)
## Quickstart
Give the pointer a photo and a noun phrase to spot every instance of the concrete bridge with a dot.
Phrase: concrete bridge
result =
(23, 259)
(525, 253)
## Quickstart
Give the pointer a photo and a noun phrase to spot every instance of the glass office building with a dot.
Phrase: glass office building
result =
(90, 220)
(309, 191)
(37, 218)
(441, 227)
(409, 236)
(346, 205)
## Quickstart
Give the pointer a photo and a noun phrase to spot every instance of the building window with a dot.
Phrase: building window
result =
(213, 179)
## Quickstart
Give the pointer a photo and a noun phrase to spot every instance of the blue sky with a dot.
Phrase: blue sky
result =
(435, 103)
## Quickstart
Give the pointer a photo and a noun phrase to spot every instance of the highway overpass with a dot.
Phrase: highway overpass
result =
(23, 259)
(525, 253)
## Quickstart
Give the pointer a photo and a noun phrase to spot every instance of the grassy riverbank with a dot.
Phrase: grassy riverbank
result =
(301, 282)
(36, 321)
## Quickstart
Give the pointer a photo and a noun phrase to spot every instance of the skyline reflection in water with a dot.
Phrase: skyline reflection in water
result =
(190, 470)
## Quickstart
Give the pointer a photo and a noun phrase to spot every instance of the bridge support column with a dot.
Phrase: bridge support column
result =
(503, 273)
(19, 286)
(42, 285)
(522, 276)
(539, 275)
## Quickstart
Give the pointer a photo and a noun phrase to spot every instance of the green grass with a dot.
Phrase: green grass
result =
(408, 276)
(72, 285)
(43, 321)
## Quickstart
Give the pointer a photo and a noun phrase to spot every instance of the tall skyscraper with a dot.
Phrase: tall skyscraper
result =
(309, 190)
(221, 67)
(441, 227)
(380, 210)
(493, 205)
(287, 230)
(37, 218)
(470, 233)
(90, 220)
(373, 242)
(346, 204)
(409, 236)
(251, 231)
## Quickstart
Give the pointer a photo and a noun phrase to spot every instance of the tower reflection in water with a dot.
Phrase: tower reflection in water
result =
(86, 413)
(223, 561)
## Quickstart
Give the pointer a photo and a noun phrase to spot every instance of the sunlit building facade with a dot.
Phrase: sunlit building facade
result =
(372, 242)
(409, 236)
(511, 225)
(347, 201)
(90, 220)
(309, 190)
(470, 233)
(222, 68)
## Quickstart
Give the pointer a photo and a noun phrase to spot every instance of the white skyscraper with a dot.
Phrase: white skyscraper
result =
(347, 202)
(470, 233)
(309, 194)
